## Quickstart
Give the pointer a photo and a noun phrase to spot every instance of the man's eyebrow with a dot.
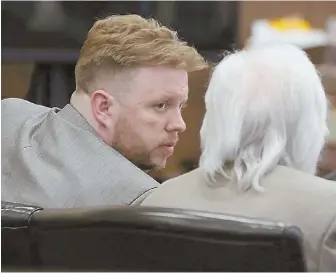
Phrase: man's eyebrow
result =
(170, 98)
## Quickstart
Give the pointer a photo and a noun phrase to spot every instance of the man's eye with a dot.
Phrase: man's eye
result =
(161, 105)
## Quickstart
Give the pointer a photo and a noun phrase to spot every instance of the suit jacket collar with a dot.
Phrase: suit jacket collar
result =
(73, 116)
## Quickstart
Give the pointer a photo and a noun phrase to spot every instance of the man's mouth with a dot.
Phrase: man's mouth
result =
(169, 147)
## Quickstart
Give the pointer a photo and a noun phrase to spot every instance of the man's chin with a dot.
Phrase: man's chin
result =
(150, 167)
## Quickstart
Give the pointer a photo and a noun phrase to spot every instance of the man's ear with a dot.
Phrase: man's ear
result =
(103, 107)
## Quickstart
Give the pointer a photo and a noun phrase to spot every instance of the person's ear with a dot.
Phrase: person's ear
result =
(103, 107)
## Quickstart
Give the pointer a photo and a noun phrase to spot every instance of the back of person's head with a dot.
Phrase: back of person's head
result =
(264, 107)
(120, 42)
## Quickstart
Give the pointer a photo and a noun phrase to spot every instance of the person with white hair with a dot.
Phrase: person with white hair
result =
(261, 138)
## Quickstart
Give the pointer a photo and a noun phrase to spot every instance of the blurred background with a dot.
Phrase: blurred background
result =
(41, 42)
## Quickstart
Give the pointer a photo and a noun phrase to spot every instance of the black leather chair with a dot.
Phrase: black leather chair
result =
(144, 239)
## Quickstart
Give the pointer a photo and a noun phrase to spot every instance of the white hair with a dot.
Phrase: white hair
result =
(264, 107)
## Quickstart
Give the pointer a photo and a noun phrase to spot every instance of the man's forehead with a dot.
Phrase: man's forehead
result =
(172, 94)
(163, 95)
(169, 83)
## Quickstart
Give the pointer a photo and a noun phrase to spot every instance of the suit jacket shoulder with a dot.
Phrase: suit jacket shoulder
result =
(290, 196)
(54, 158)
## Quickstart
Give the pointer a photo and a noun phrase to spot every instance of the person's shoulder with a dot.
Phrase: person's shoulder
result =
(16, 112)
(14, 101)
(175, 188)
(295, 178)
(189, 176)
(186, 178)
(20, 105)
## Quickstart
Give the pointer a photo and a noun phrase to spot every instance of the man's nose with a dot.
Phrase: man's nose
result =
(176, 123)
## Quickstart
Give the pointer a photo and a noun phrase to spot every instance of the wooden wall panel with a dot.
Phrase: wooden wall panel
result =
(15, 79)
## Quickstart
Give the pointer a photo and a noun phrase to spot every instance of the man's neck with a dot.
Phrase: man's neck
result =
(80, 101)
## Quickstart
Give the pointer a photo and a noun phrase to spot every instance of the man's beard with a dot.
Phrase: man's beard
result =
(134, 154)
(145, 167)
(141, 160)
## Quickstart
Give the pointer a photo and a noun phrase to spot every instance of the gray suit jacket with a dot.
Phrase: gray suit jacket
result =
(53, 158)
(291, 197)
